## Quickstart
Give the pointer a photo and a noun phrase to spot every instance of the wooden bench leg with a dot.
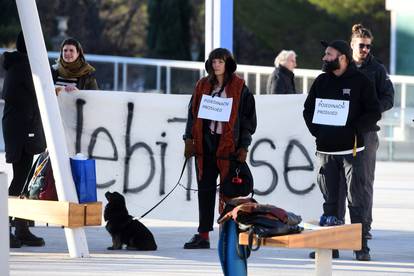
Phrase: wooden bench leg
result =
(323, 262)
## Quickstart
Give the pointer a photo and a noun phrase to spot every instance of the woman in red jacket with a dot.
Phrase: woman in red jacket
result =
(214, 142)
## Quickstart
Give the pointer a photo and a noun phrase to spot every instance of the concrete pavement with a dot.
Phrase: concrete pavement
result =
(392, 247)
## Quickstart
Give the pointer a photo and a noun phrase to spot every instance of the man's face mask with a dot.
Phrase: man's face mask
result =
(329, 66)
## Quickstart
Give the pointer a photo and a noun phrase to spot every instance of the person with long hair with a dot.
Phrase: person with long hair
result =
(212, 142)
(71, 71)
(361, 44)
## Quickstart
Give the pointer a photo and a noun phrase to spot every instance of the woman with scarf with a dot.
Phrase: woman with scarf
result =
(71, 71)
(212, 142)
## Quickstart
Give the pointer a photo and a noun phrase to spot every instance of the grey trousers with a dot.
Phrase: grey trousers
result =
(368, 168)
(369, 160)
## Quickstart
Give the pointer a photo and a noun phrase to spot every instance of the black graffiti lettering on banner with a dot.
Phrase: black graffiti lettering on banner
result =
(309, 167)
(129, 150)
(79, 123)
(163, 146)
(258, 163)
(92, 156)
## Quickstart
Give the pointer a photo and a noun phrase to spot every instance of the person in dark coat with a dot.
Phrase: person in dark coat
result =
(361, 44)
(282, 80)
(212, 142)
(22, 130)
(341, 106)
(71, 71)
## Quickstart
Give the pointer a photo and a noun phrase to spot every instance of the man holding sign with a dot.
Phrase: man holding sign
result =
(220, 124)
(341, 106)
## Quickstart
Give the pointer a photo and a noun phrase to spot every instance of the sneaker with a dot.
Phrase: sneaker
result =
(335, 254)
(14, 242)
(362, 255)
(197, 242)
(368, 236)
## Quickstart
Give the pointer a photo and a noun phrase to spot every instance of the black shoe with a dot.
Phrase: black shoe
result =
(362, 255)
(197, 242)
(368, 236)
(30, 240)
(335, 254)
(25, 236)
(14, 242)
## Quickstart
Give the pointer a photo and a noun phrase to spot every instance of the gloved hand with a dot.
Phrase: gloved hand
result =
(189, 148)
(241, 155)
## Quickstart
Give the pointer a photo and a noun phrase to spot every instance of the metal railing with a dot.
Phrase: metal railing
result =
(178, 77)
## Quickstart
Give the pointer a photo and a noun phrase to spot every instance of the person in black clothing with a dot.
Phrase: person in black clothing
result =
(340, 107)
(22, 131)
(361, 44)
(281, 81)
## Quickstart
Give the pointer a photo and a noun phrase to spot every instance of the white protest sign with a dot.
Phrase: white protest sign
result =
(136, 140)
(330, 112)
(215, 108)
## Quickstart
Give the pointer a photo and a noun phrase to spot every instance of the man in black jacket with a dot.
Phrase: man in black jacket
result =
(340, 107)
(361, 44)
(22, 130)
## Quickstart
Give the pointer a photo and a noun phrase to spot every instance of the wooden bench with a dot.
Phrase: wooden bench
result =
(63, 213)
(323, 240)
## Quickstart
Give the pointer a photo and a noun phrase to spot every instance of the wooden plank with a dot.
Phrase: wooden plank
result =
(335, 237)
(64, 213)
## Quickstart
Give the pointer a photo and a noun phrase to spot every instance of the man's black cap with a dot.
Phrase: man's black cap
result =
(341, 46)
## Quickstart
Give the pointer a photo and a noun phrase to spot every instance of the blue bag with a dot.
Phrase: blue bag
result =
(84, 176)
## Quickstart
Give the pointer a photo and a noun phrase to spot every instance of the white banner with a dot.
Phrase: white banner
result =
(136, 139)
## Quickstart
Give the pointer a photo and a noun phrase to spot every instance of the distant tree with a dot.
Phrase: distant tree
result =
(349, 8)
(125, 26)
(169, 29)
(9, 23)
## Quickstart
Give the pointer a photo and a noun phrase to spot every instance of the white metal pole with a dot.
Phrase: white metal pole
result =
(4, 226)
(218, 25)
(51, 119)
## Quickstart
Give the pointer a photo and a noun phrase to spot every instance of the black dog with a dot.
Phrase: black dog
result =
(124, 229)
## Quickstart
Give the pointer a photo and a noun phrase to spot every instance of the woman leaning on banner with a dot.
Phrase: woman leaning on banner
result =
(212, 142)
(71, 71)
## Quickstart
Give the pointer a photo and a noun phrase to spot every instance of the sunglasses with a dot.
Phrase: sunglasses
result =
(362, 46)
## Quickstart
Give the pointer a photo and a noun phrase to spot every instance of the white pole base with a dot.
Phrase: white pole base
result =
(323, 262)
(77, 244)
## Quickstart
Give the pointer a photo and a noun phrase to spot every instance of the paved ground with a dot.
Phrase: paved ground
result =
(392, 246)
